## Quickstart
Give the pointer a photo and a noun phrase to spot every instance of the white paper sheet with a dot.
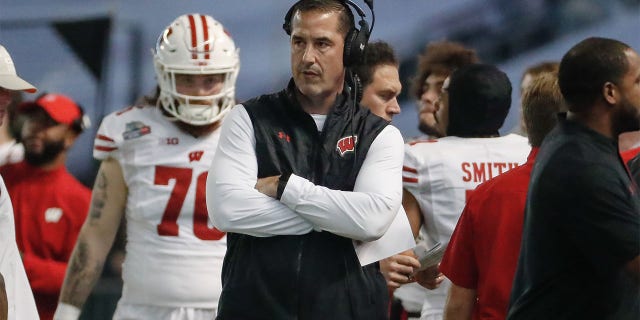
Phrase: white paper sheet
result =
(398, 238)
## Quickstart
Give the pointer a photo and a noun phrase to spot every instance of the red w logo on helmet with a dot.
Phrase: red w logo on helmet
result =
(346, 144)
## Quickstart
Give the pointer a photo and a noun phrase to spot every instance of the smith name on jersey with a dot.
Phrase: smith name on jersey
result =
(441, 173)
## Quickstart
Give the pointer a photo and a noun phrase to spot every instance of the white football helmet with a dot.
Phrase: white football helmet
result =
(196, 44)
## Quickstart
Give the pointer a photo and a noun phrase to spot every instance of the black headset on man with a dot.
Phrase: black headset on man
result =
(355, 43)
(356, 40)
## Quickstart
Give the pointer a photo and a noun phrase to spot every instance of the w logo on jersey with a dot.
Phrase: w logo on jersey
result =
(195, 155)
(347, 144)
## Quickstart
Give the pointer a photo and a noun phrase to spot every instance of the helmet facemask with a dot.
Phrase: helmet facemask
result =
(195, 45)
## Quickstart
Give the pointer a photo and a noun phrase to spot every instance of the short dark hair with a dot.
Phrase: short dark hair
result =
(541, 103)
(586, 67)
(479, 100)
(441, 57)
(346, 16)
(376, 54)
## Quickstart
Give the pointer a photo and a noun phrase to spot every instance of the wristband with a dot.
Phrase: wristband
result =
(66, 312)
(282, 183)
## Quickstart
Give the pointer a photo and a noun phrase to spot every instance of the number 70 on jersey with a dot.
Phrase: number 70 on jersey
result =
(182, 177)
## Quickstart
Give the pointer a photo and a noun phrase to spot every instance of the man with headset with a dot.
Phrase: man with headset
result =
(296, 179)
(380, 80)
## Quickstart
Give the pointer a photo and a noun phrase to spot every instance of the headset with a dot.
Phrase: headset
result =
(356, 40)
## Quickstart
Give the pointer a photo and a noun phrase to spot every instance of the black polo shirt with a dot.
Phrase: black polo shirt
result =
(582, 225)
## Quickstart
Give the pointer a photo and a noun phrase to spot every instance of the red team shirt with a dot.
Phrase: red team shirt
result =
(484, 248)
(50, 208)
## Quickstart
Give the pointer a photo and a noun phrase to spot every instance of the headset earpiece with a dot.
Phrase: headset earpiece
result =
(356, 44)
(286, 26)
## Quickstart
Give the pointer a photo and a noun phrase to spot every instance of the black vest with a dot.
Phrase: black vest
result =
(316, 275)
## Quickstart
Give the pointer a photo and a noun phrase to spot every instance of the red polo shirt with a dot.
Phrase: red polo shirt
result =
(484, 248)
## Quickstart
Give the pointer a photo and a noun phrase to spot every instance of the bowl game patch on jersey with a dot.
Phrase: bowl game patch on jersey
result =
(135, 129)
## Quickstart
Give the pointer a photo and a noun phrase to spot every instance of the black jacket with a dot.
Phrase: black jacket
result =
(316, 275)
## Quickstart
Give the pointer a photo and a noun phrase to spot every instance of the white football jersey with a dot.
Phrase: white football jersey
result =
(173, 254)
(440, 173)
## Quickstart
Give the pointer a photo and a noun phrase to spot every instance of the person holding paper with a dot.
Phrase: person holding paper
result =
(439, 174)
(381, 87)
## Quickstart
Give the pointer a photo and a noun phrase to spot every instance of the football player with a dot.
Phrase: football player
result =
(155, 158)
(439, 174)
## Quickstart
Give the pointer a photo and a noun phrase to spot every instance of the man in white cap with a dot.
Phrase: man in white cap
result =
(16, 299)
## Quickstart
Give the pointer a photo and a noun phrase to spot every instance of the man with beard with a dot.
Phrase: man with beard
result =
(580, 252)
(49, 204)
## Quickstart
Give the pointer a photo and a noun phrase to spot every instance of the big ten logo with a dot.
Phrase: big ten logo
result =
(479, 172)
(172, 141)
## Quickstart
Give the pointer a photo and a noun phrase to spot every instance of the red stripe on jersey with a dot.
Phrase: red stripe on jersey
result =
(107, 149)
(194, 36)
(205, 34)
(411, 180)
(408, 169)
(422, 141)
(104, 138)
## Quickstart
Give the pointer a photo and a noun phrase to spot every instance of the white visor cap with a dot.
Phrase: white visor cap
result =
(8, 77)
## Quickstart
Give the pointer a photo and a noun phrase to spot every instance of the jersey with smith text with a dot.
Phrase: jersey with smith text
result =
(174, 254)
(440, 173)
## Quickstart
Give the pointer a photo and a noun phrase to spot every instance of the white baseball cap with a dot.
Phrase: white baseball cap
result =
(8, 77)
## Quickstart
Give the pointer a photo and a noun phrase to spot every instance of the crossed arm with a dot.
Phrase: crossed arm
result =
(235, 205)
